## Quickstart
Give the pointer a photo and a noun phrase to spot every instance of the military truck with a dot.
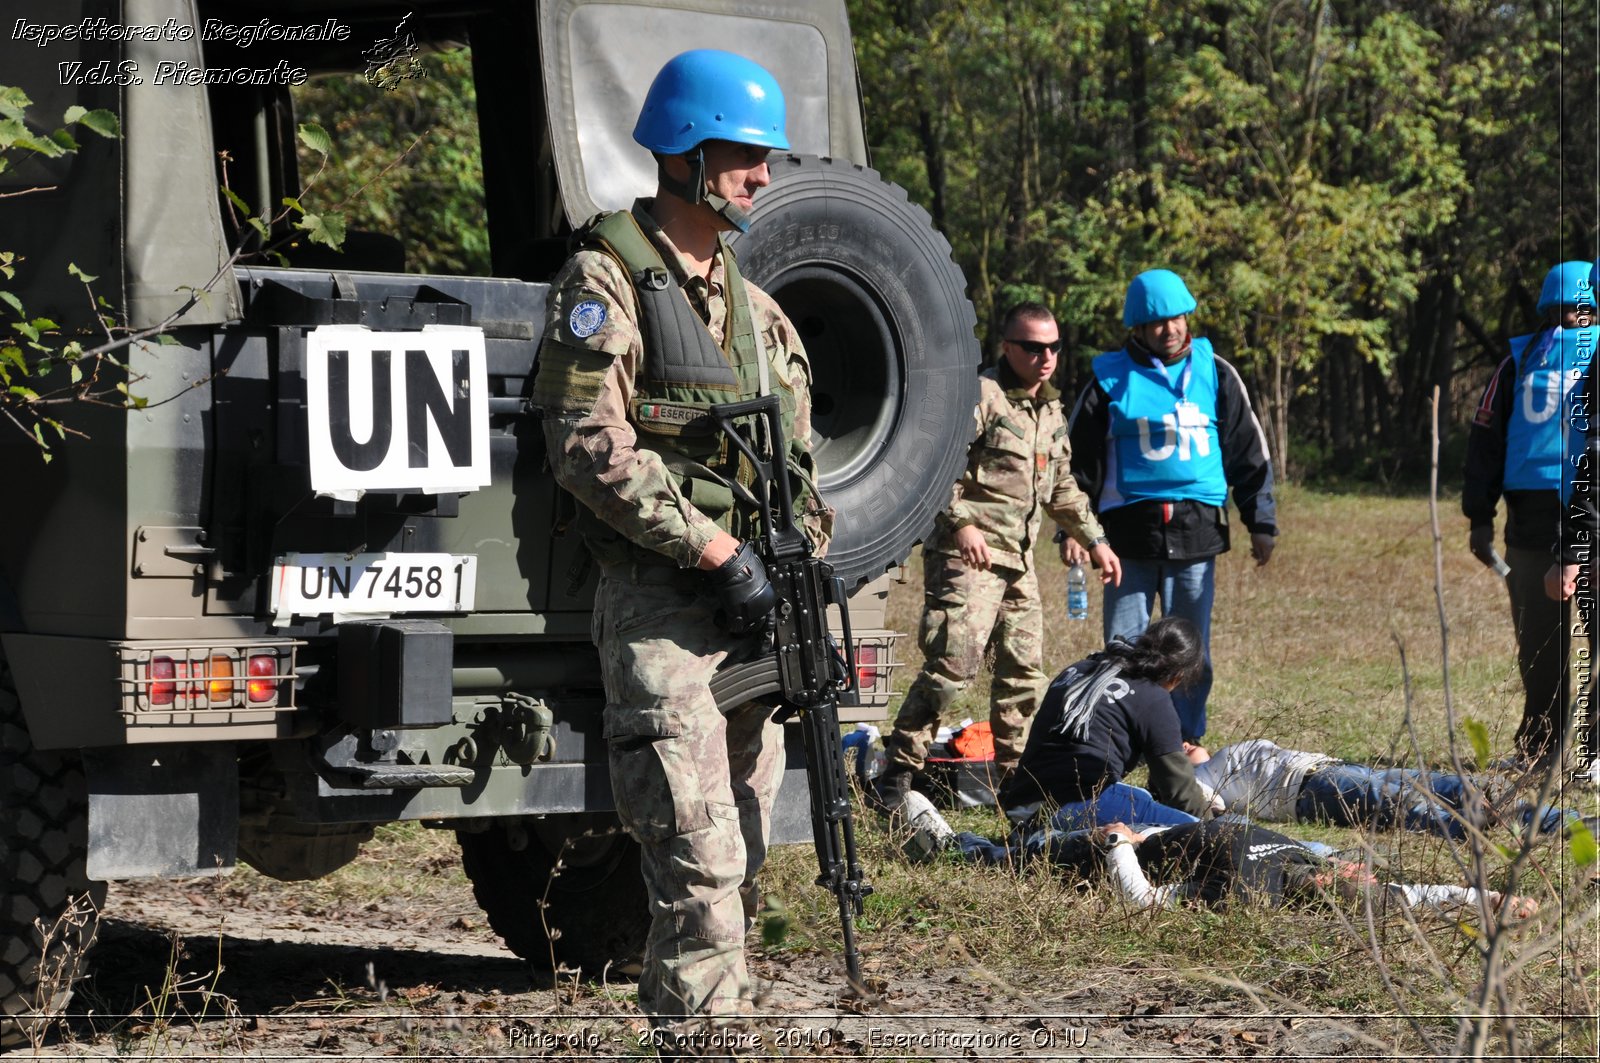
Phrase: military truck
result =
(324, 580)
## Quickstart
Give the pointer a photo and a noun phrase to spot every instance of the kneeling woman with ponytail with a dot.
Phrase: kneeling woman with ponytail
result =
(1100, 718)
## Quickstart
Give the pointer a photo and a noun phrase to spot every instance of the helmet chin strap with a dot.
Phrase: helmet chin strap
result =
(729, 213)
(693, 191)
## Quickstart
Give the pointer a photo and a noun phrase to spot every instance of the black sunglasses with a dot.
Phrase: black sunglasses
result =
(1035, 348)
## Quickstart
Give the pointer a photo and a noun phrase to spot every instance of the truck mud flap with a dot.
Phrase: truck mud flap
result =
(162, 811)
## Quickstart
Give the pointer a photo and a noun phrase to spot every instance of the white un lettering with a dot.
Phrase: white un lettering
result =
(1187, 440)
(1550, 393)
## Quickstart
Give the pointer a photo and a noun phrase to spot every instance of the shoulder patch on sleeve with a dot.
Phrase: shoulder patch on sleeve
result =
(589, 309)
(582, 314)
(585, 318)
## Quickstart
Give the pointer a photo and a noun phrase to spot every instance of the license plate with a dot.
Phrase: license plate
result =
(373, 584)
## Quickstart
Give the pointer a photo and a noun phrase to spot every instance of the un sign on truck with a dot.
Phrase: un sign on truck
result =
(397, 411)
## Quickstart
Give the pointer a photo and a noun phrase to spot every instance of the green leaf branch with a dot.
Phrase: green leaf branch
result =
(34, 348)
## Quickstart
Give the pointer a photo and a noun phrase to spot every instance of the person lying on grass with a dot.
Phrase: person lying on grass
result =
(1264, 781)
(1098, 719)
(1225, 860)
(1228, 859)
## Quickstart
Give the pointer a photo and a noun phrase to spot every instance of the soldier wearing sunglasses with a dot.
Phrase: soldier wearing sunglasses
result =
(978, 569)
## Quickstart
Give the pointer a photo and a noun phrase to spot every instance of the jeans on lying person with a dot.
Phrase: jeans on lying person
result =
(1355, 795)
(1118, 803)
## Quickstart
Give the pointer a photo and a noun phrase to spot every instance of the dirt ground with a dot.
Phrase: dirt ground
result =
(207, 970)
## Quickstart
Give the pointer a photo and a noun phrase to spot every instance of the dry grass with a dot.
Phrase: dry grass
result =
(1308, 653)
(1305, 648)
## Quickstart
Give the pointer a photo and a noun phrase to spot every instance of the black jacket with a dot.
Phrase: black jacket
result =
(1533, 518)
(1185, 530)
(1135, 721)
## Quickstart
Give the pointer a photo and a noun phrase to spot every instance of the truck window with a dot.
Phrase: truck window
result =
(406, 162)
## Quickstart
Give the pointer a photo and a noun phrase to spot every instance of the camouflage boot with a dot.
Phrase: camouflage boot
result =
(901, 762)
(888, 792)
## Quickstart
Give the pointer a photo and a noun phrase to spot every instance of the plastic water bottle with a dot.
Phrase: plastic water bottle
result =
(1077, 594)
(869, 756)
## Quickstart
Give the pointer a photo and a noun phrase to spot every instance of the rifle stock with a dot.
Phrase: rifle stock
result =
(813, 672)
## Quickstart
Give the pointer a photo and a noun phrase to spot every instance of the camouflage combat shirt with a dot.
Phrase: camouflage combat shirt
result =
(1018, 469)
(586, 385)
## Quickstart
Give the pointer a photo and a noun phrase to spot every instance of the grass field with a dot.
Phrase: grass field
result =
(1307, 649)
(1329, 647)
(1308, 652)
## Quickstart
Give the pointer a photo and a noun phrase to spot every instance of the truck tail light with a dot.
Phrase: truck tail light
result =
(162, 689)
(168, 684)
(866, 666)
(262, 690)
(221, 674)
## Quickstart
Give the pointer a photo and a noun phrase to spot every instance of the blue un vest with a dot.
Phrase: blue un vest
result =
(1540, 433)
(1152, 456)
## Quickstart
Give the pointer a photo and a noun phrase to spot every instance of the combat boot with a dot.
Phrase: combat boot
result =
(888, 792)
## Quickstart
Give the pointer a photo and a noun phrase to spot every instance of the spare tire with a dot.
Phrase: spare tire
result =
(882, 310)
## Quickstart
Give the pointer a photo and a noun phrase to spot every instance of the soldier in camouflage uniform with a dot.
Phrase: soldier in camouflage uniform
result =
(648, 325)
(979, 579)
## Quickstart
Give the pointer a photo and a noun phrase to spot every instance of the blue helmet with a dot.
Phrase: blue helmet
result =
(1155, 295)
(1569, 284)
(711, 95)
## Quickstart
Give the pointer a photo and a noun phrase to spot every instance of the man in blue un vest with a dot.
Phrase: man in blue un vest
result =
(1518, 448)
(1158, 437)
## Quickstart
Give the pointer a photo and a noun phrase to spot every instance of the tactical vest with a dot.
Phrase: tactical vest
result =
(1164, 444)
(1540, 433)
(684, 373)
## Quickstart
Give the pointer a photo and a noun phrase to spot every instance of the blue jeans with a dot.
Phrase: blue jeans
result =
(1117, 803)
(1184, 588)
(1355, 795)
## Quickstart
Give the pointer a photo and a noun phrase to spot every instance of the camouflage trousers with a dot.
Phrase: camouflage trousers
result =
(694, 785)
(964, 608)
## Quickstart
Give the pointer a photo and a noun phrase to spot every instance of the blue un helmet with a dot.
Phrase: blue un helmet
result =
(1569, 284)
(706, 95)
(1155, 295)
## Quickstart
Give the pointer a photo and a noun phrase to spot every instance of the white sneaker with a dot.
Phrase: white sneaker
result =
(930, 833)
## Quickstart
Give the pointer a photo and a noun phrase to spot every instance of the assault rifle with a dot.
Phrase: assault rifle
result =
(813, 672)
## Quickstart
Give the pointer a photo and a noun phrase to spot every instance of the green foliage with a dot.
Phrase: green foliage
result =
(1581, 843)
(16, 137)
(1338, 183)
(1478, 737)
(98, 121)
(774, 923)
(323, 229)
(34, 348)
(407, 162)
(29, 350)
(316, 138)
